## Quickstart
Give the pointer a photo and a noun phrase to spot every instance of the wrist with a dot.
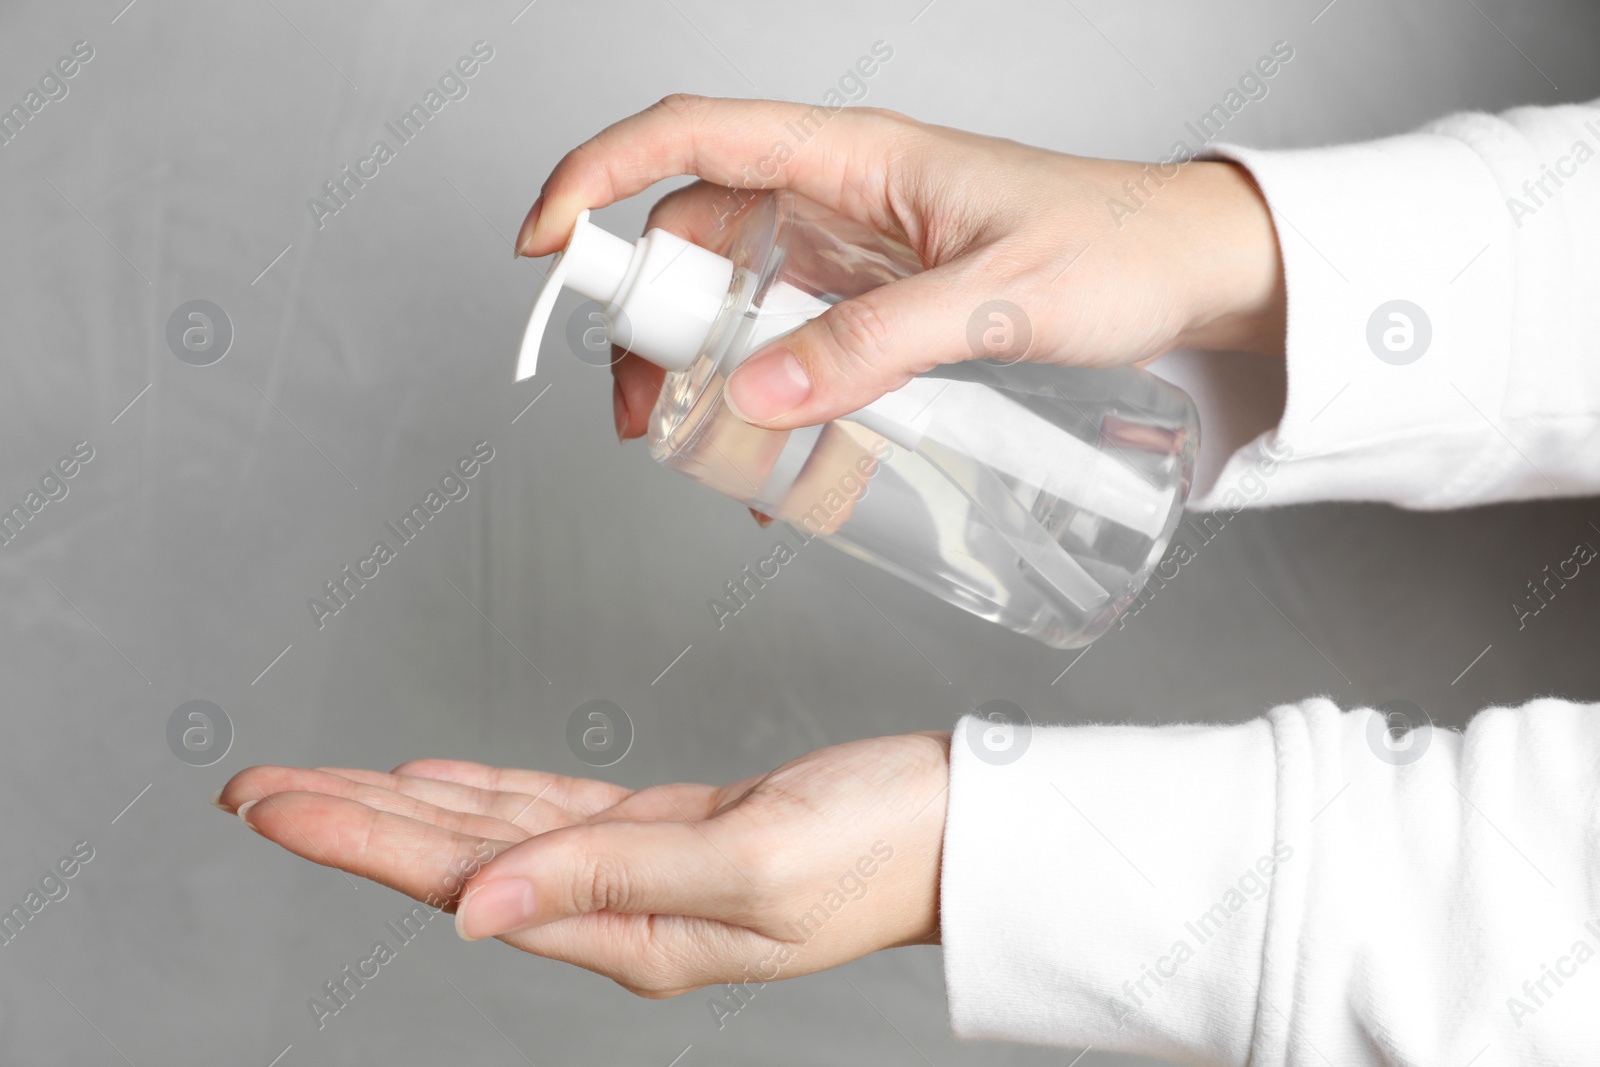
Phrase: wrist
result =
(914, 903)
(1230, 262)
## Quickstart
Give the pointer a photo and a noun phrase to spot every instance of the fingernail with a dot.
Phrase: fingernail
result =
(244, 812)
(216, 802)
(619, 410)
(762, 520)
(529, 225)
(495, 908)
(772, 384)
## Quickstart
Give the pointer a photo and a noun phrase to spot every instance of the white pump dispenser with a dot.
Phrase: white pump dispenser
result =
(662, 293)
(664, 298)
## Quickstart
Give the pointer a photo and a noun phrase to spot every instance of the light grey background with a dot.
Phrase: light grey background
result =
(375, 351)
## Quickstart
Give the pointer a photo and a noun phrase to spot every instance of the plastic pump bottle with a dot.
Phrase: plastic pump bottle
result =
(1039, 497)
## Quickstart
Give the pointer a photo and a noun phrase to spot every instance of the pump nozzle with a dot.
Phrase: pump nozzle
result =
(662, 294)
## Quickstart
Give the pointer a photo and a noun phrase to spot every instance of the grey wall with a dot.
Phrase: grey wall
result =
(374, 351)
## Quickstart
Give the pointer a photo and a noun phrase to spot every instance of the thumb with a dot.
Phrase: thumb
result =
(856, 351)
(662, 868)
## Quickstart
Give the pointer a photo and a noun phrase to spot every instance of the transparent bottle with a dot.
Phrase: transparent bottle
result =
(1036, 496)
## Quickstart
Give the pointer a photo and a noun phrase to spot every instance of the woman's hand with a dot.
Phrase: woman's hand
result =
(1111, 262)
(663, 890)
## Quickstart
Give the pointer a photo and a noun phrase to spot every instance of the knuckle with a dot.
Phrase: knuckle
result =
(600, 884)
(859, 331)
(900, 139)
(889, 115)
(765, 885)
(765, 869)
(416, 768)
(680, 105)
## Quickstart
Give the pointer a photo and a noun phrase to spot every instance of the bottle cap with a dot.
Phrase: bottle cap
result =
(662, 294)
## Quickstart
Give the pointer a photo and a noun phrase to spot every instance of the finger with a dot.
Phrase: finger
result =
(635, 385)
(259, 782)
(839, 447)
(841, 159)
(701, 212)
(419, 859)
(857, 350)
(580, 796)
(667, 868)
(533, 815)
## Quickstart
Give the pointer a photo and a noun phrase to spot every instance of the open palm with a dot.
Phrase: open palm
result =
(663, 889)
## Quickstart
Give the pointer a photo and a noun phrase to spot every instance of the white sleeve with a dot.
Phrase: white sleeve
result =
(1297, 890)
(1487, 385)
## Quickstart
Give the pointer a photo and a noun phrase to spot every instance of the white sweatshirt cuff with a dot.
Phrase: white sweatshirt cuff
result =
(1109, 887)
(1386, 400)
(1440, 339)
